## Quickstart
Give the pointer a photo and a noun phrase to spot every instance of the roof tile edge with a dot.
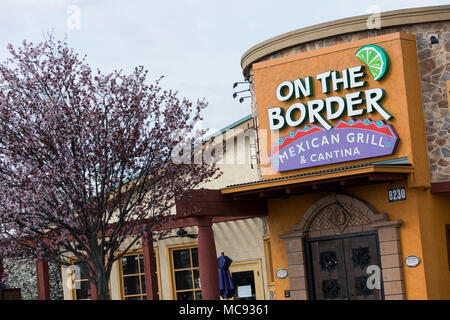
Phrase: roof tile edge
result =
(339, 27)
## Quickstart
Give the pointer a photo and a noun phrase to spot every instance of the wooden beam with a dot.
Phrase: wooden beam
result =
(212, 203)
(43, 282)
(386, 177)
(353, 182)
(315, 178)
(440, 187)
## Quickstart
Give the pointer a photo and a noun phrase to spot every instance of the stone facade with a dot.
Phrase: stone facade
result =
(434, 68)
(364, 217)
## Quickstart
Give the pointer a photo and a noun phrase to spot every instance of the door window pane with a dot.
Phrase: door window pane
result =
(245, 285)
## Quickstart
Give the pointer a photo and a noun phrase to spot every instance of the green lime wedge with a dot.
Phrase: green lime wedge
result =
(375, 59)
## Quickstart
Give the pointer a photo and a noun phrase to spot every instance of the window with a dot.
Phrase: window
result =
(268, 256)
(82, 287)
(132, 275)
(185, 273)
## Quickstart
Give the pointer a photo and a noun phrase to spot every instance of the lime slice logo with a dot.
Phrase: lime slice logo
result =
(375, 59)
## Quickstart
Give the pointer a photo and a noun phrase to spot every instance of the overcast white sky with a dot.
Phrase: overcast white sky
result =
(196, 44)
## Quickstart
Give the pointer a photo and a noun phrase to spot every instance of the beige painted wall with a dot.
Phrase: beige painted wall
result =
(236, 165)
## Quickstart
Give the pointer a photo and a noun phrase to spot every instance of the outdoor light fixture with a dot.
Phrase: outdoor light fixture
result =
(434, 40)
(236, 93)
(182, 233)
(243, 98)
(237, 83)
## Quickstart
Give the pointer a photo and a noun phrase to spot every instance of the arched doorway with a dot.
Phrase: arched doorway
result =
(330, 249)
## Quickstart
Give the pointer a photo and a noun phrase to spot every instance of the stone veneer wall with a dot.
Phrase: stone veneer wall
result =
(434, 68)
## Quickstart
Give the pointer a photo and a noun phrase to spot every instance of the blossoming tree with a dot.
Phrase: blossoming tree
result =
(85, 157)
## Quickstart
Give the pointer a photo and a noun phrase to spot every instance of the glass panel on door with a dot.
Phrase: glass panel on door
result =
(244, 282)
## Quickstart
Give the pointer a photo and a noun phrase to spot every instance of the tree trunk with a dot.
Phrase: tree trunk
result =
(100, 272)
(103, 288)
(102, 281)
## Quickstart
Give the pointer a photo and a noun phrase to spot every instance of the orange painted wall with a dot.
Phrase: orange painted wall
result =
(422, 233)
(402, 74)
(434, 215)
(424, 215)
(283, 214)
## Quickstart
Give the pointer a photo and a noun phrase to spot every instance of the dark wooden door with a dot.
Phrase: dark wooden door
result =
(338, 268)
(329, 271)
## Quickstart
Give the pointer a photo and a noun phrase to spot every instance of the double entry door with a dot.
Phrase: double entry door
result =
(338, 268)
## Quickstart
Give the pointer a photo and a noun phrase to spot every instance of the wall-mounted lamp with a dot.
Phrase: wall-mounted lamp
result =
(182, 233)
(237, 83)
(236, 93)
(434, 40)
(243, 98)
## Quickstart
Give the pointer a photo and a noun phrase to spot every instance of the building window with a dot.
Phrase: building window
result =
(268, 256)
(132, 275)
(185, 273)
(81, 285)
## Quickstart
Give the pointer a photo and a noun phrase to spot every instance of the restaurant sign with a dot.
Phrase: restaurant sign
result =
(320, 143)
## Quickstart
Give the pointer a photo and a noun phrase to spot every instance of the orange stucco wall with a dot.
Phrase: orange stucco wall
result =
(424, 215)
(401, 84)
(422, 233)
(434, 215)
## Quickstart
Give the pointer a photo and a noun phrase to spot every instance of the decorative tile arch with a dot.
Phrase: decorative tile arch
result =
(340, 214)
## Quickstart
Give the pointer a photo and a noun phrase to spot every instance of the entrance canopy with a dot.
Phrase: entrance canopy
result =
(323, 180)
(212, 203)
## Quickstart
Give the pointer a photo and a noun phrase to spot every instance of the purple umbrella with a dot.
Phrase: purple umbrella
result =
(3, 290)
(227, 289)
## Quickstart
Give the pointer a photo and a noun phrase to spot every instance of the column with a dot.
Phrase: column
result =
(391, 259)
(151, 281)
(43, 282)
(296, 265)
(207, 260)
